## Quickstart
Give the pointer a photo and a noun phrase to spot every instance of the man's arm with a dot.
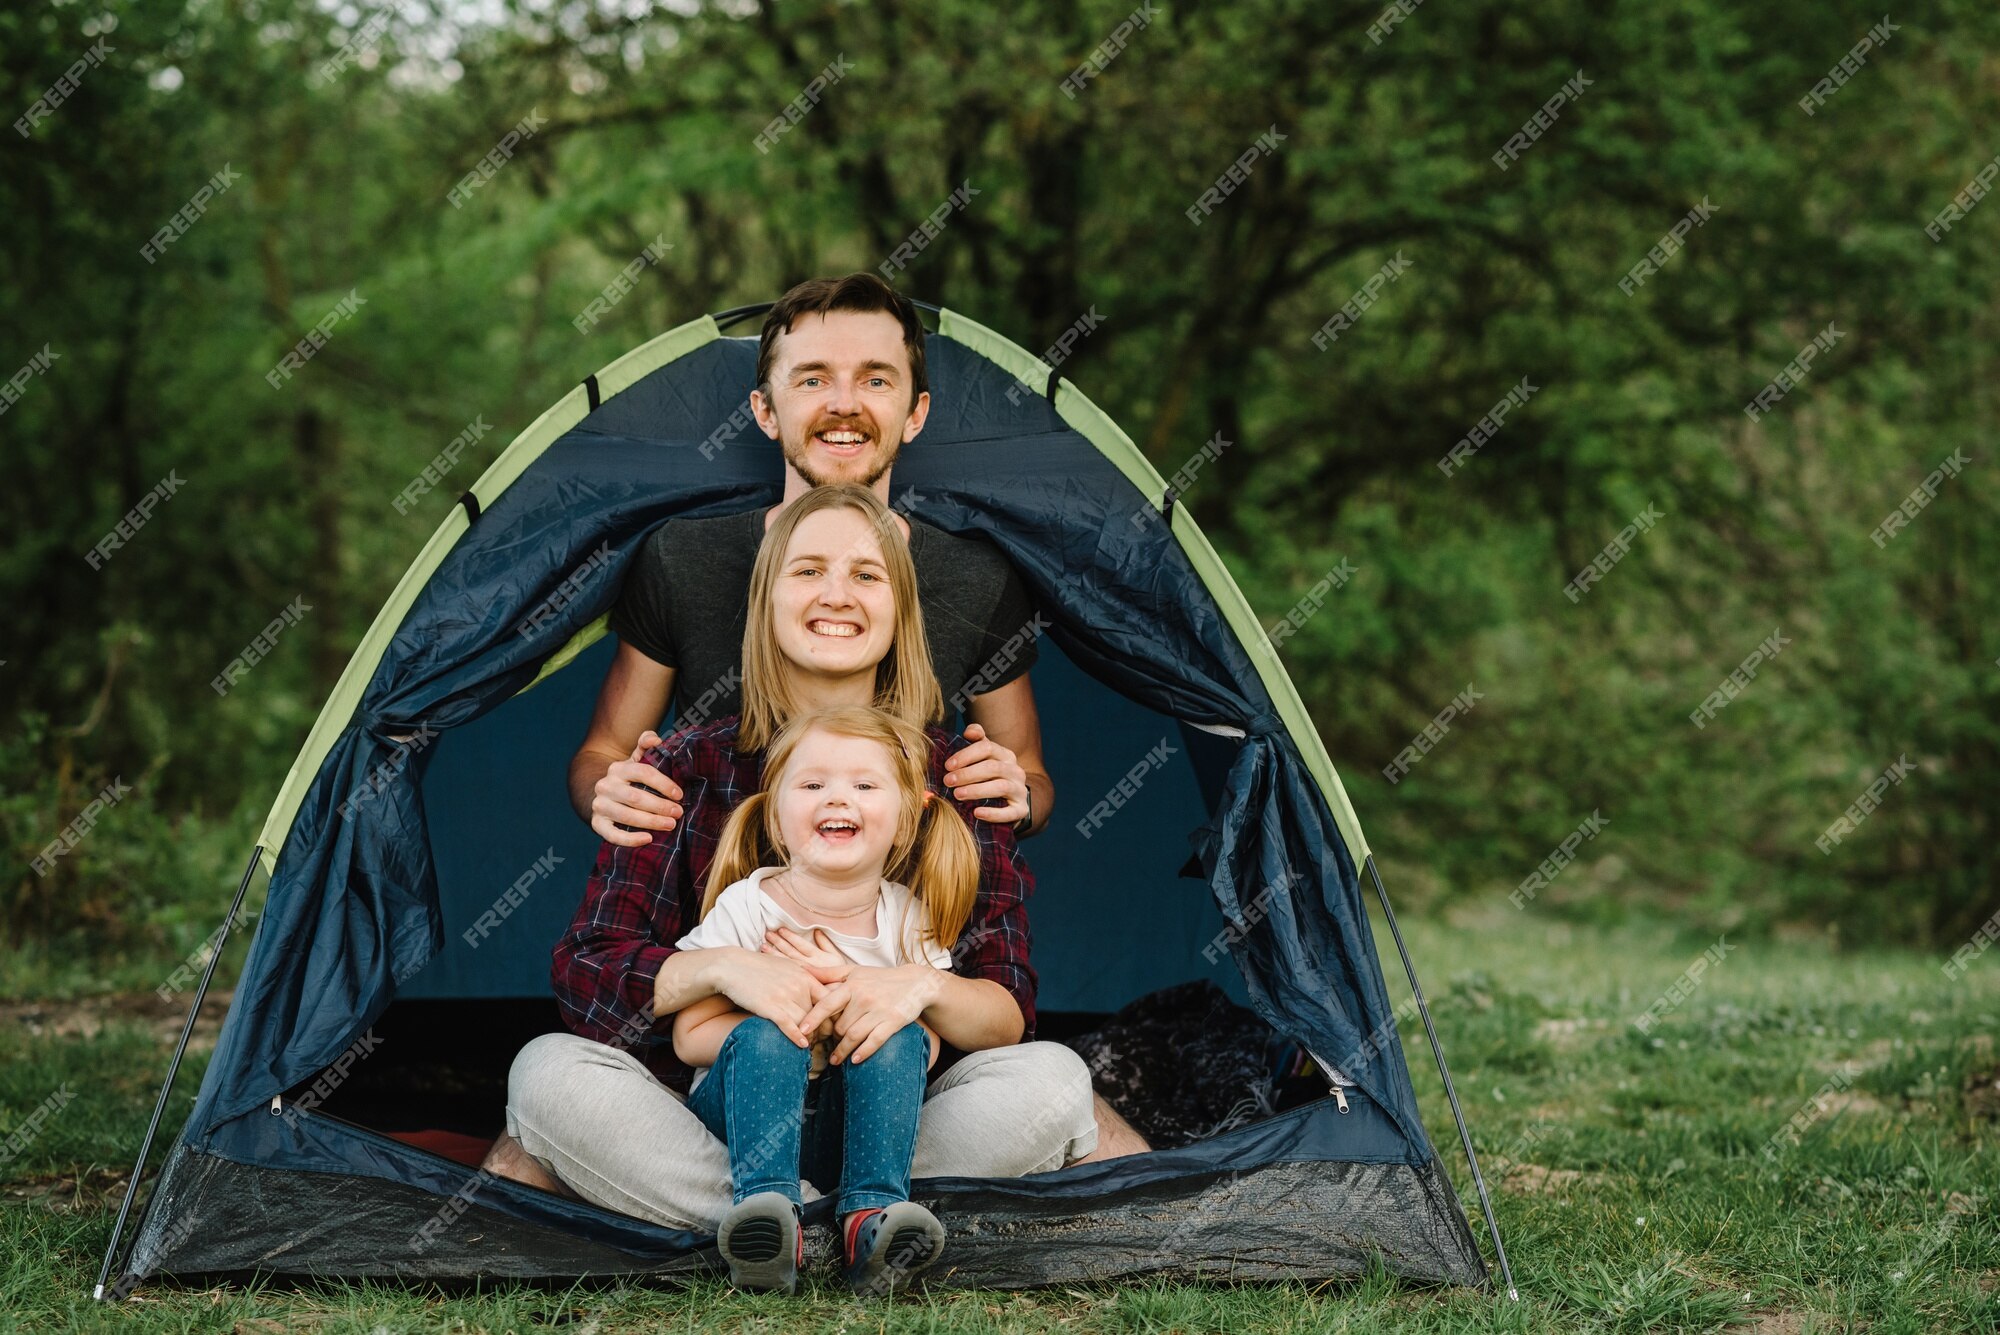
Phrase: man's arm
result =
(605, 772)
(1006, 715)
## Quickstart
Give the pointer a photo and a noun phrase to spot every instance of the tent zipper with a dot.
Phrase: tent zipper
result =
(313, 1110)
(1335, 1083)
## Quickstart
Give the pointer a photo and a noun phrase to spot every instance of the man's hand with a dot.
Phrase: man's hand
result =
(623, 798)
(780, 990)
(873, 1005)
(987, 769)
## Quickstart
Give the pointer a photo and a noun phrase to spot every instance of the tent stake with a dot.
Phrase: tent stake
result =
(173, 1069)
(1437, 1050)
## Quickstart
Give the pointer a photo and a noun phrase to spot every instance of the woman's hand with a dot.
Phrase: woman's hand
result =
(873, 1005)
(987, 769)
(782, 991)
(636, 794)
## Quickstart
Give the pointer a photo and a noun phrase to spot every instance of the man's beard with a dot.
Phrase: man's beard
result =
(878, 462)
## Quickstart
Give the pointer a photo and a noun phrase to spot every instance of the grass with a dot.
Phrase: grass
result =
(1627, 1168)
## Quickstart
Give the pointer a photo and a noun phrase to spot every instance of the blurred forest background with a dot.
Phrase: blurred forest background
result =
(347, 125)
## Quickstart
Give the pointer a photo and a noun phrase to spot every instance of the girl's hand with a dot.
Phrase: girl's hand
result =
(818, 953)
(987, 769)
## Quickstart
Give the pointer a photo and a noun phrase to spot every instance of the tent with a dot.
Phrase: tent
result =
(421, 858)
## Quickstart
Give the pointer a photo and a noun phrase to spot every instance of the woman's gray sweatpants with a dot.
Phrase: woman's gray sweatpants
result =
(602, 1123)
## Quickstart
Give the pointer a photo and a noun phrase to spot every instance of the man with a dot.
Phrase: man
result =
(841, 386)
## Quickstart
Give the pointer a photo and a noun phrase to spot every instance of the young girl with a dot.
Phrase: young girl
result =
(846, 843)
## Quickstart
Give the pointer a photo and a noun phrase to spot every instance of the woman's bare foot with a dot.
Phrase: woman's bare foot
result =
(1116, 1137)
(507, 1159)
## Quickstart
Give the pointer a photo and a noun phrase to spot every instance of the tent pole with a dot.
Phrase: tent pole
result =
(1437, 1050)
(173, 1069)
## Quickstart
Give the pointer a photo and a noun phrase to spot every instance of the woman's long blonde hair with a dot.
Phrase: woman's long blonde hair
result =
(905, 682)
(933, 852)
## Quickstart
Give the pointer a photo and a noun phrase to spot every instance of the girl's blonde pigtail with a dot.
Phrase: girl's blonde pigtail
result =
(739, 851)
(945, 870)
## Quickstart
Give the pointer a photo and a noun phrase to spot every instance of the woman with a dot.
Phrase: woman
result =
(833, 621)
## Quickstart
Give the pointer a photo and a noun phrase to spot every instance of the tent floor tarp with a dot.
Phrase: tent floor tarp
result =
(1283, 1219)
(1249, 1204)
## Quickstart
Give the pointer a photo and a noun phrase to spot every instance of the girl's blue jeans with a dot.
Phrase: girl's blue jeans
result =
(856, 1124)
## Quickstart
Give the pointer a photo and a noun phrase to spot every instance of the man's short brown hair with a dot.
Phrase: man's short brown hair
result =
(861, 291)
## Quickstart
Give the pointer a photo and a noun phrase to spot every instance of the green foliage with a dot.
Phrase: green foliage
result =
(652, 119)
(142, 882)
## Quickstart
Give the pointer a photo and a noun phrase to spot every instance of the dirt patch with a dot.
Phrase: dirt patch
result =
(1827, 1103)
(93, 1192)
(1848, 1101)
(1874, 1053)
(86, 1018)
(1783, 1323)
(1537, 1180)
(1982, 1093)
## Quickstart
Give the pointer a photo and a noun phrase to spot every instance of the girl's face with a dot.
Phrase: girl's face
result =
(833, 611)
(837, 804)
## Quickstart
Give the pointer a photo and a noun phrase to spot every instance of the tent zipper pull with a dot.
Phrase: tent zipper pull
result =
(1331, 1074)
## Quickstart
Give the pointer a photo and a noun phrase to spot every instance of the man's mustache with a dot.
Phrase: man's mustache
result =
(859, 424)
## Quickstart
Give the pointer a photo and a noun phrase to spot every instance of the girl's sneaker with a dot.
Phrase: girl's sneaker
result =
(886, 1249)
(761, 1240)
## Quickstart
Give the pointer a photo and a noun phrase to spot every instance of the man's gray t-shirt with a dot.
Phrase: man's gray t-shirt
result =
(686, 600)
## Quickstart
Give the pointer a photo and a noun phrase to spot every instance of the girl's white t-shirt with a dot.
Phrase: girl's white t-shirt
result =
(745, 911)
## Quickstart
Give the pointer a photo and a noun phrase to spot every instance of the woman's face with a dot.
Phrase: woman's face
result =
(837, 804)
(833, 612)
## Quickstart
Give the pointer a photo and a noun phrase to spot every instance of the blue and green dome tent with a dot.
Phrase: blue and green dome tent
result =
(431, 790)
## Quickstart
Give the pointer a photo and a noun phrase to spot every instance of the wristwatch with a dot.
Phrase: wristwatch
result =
(1021, 826)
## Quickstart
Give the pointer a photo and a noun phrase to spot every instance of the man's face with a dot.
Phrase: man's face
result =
(840, 397)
